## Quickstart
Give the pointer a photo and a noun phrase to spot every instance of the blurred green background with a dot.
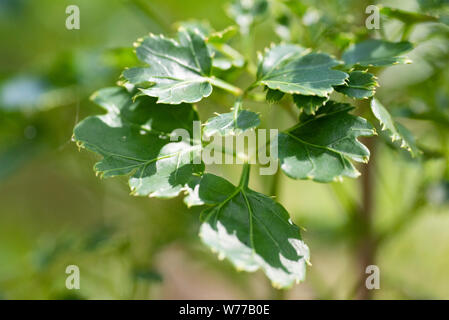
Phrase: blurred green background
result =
(54, 211)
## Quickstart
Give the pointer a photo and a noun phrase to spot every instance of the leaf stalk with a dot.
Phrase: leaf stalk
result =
(244, 178)
(225, 86)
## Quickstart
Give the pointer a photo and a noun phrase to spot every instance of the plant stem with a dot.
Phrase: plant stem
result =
(225, 86)
(406, 33)
(237, 107)
(274, 190)
(367, 245)
(244, 178)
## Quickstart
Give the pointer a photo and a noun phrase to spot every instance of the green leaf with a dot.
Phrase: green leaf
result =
(361, 85)
(407, 17)
(193, 198)
(252, 231)
(292, 69)
(377, 53)
(394, 129)
(203, 27)
(247, 12)
(232, 123)
(274, 96)
(221, 37)
(320, 147)
(224, 56)
(178, 71)
(134, 140)
(310, 104)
